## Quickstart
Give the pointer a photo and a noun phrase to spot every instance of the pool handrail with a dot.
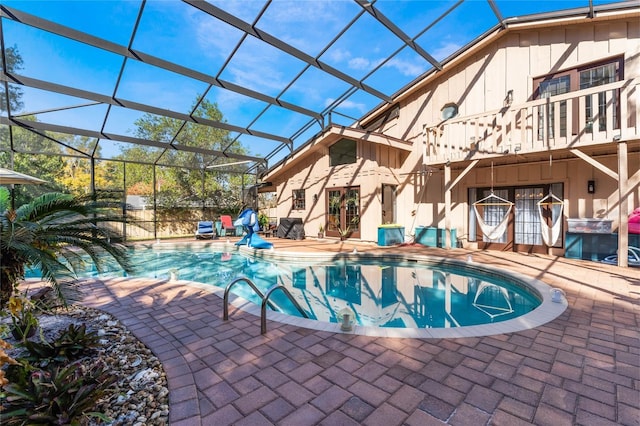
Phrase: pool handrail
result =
(263, 297)
(265, 300)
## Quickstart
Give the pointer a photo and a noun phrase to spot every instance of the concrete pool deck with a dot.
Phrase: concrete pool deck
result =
(581, 368)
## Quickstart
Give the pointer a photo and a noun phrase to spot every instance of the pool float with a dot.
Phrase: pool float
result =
(633, 258)
(249, 220)
(634, 221)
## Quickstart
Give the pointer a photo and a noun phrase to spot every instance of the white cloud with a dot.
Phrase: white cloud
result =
(257, 78)
(339, 55)
(216, 38)
(359, 63)
(406, 68)
(305, 12)
(445, 50)
(307, 25)
(347, 104)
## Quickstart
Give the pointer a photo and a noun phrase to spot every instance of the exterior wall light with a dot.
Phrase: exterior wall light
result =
(591, 186)
(508, 100)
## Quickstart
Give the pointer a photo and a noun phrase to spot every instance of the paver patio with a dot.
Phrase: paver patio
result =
(581, 368)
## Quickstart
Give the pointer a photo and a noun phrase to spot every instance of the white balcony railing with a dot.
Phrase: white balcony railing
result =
(604, 114)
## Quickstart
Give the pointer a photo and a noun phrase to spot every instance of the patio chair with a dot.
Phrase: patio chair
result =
(204, 230)
(228, 228)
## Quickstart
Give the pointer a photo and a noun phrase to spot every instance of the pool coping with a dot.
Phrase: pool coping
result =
(546, 312)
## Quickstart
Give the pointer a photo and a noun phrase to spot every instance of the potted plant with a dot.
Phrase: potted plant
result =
(344, 232)
(263, 221)
(321, 231)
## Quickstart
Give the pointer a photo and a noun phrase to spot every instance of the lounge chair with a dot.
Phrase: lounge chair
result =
(228, 228)
(204, 230)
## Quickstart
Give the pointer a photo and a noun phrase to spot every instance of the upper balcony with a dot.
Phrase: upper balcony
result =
(598, 115)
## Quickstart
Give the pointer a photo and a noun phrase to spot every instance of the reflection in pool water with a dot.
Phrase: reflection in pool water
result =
(381, 294)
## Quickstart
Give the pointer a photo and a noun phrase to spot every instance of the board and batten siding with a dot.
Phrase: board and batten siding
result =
(477, 82)
(481, 82)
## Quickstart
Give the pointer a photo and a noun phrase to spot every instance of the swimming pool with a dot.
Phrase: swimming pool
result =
(387, 295)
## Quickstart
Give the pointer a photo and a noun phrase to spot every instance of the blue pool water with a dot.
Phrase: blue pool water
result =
(381, 294)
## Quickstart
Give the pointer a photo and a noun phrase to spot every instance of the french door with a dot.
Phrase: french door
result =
(343, 212)
(493, 213)
(525, 221)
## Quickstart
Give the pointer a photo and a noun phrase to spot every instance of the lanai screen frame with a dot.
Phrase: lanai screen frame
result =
(286, 144)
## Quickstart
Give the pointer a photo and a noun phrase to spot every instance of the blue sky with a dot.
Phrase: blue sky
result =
(177, 32)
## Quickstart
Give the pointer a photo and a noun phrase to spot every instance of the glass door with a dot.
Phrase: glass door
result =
(493, 214)
(343, 212)
(525, 222)
(528, 236)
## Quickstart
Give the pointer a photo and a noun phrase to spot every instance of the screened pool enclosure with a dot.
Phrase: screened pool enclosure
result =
(181, 106)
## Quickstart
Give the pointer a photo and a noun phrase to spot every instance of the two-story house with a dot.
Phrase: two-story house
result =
(523, 141)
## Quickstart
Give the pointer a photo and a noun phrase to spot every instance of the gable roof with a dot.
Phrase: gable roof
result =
(327, 138)
(333, 133)
(621, 10)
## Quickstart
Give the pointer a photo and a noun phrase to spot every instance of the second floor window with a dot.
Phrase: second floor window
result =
(342, 152)
(298, 199)
(584, 77)
(598, 76)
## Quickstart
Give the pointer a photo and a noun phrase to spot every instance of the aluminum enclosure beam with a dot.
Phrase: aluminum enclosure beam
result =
(90, 40)
(108, 100)
(408, 41)
(280, 45)
(120, 138)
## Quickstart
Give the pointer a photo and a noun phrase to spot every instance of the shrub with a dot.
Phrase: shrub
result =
(56, 396)
(70, 345)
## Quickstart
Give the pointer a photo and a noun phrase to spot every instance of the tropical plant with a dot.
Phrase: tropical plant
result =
(57, 396)
(263, 221)
(23, 316)
(51, 233)
(344, 232)
(71, 344)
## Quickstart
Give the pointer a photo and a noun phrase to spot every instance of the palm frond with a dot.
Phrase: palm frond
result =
(44, 205)
(5, 199)
(57, 233)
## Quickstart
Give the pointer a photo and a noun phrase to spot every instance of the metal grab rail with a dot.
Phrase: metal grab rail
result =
(265, 300)
(225, 315)
(263, 297)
